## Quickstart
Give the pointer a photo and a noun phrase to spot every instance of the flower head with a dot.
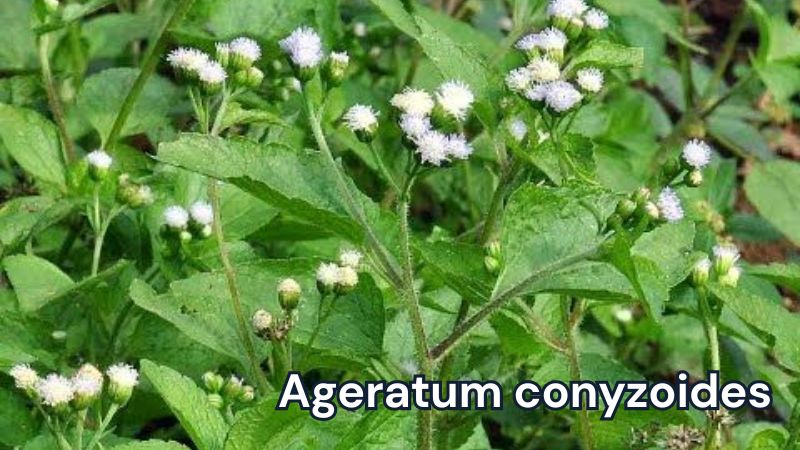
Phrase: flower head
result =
(413, 101)
(518, 129)
(24, 377)
(99, 159)
(458, 147)
(348, 279)
(176, 217)
(261, 321)
(246, 49)
(725, 258)
(596, 19)
(527, 43)
(187, 60)
(433, 147)
(544, 69)
(697, 154)
(701, 271)
(566, 9)
(55, 390)
(327, 277)
(562, 96)
(202, 213)
(123, 375)
(87, 384)
(361, 118)
(289, 292)
(519, 79)
(212, 73)
(414, 125)
(340, 58)
(350, 258)
(551, 39)
(455, 98)
(304, 47)
(537, 92)
(669, 206)
(590, 79)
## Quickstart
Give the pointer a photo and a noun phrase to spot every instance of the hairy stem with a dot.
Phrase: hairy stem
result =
(710, 326)
(53, 100)
(149, 66)
(79, 429)
(572, 320)
(382, 168)
(98, 434)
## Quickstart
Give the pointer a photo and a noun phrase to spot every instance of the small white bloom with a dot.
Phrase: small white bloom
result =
(341, 58)
(596, 19)
(623, 314)
(123, 375)
(697, 153)
(519, 79)
(202, 213)
(455, 98)
(245, 48)
(458, 147)
(590, 79)
(222, 48)
(726, 253)
(701, 271)
(212, 72)
(518, 129)
(24, 376)
(537, 92)
(414, 125)
(505, 23)
(350, 258)
(348, 277)
(432, 148)
(527, 42)
(544, 69)
(551, 39)
(413, 101)
(304, 47)
(361, 118)
(262, 320)
(144, 194)
(562, 96)
(360, 29)
(88, 381)
(328, 274)
(99, 159)
(669, 206)
(288, 286)
(176, 217)
(566, 9)
(731, 277)
(55, 390)
(187, 59)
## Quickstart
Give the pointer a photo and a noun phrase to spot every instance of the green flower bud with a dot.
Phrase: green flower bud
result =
(731, 277)
(693, 178)
(289, 293)
(615, 221)
(492, 264)
(641, 196)
(248, 394)
(216, 401)
(213, 381)
(233, 388)
(493, 249)
(701, 272)
(652, 211)
(626, 208)
(336, 67)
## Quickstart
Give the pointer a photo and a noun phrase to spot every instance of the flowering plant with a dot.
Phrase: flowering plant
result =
(217, 200)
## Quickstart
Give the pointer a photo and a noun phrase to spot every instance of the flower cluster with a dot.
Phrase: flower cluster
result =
(269, 328)
(186, 225)
(236, 57)
(422, 113)
(723, 268)
(339, 278)
(304, 49)
(222, 392)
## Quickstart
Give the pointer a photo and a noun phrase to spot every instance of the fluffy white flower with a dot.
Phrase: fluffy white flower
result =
(551, 39)
(537, 92)
(328, 274)
(726, 253)
(350, 258)
(88, 381)
(55, 390)
(361, 118)
(519, 79)
(590, 79)
(187, 59)
(432, 148)
(669, 206)
(304, 47)
(455, 98)
(731, 277)
(413, 101)
(245, 48)
(24, 376)
(348, 277)
(414, 125)
(176, 217)
(527, 42)
(697, 153)
(562, 96)
(202, 212)
(262, 320)
(544, 69)
(458, 147)
(566, 9)
(99, 159)
(123, 375)
(288, 286)
(518, 129)
(596, 19)
(212, 72)
(341, 58)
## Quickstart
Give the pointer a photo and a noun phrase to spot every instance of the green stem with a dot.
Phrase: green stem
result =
(572, 321)
(101, 429)
(216, 128)
(149, 66)
(99, 229)
(685, 59)
(79, 428)
(710, 325)
(67, 148)
(115, 330)
(383, 169)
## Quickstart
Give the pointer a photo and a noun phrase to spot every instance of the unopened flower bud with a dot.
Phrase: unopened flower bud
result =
(336, 68)
(348, 280)
(614, 221)
(215, 400)
(289, 292)
(725, 256)
(59, 335)
(626, 208)
(671, 168)
(262, 321)
(493, 249)
(51, 5)
(185, 236)
(213, 381)
(248, 394)
(652, 211)
(99, 163)
(694, 178)
(233, 388)
(492, 264)
(731, 277)
(250, 77)
(122, 378)
(701, 271)
(223, 53)
(641, 196)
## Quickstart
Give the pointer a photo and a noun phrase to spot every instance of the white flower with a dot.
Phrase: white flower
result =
(245, 48)
(341, 58)
(731, 277)
(202, 213)
(562, 96)
(455, 98)
(414, 125)
(519, 79)
(725, 256)
(669, 206)
(304, 47)
(361, 118)
(701, 271)
(697, 153)
(24, 376)
(360, 29)
(123, 375)
(99, 159)
(288, 286)
(505, 23)
(544, 69)
(176, 217)
(212, 72)
(328, 274)
(623, 314)
(566, 9)
(261, 321)
(527, 42)
(350, 258)
(518, 129)
(596, 19)
(537, 92)
(590, 79)
(458, 147)
(55, 390)
(88, 381)
(348, 277)
(551, 39)
(413, 101)
(187, 59)
(432, 148)
(144, 194)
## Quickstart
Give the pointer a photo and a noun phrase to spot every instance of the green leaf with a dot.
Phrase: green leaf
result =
(265, 19)
(654, 12)
(609, 55)
(35, 280)
(15, 21)
(33, 142)
(572, 153)
(242, 213)
(645, 275)
(18, 217)
(670, 247)
(102, 95)
(768, 440)
(460, 266)
(71, 13)
(151, 445)
(16, 423)
(787, 275)
(202, 422)
(774, 188)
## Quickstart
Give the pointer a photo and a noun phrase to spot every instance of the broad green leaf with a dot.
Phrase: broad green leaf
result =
(741, 134)
(24, 340)
(588, 279)
(202, 422)
(151, 445)
(774, 188)
(609, 55)
(16, 423)
(648, 280)
(33, 142)
(264, 19)
(102, 95)
(397, 14)
(108, 35)
(242, 213)
(572, 153)
(670, 247)
(15, 21)
(652, 11)
(35, 280)
(71, 13)
(768, 440)
(782, 274)
(466, 35)
(18, 217)
(460, 266)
